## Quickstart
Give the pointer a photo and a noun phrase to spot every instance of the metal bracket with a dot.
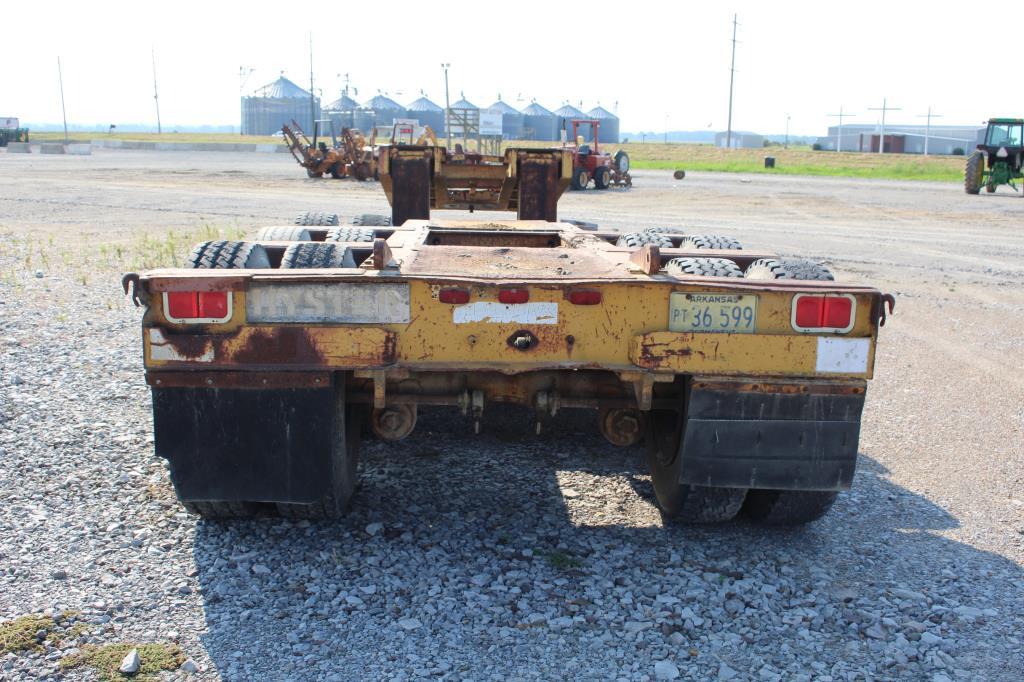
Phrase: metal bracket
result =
(643, 386)
(382, 256)
(886, 300)
(138, 293)
(647, 258)
(380, 378)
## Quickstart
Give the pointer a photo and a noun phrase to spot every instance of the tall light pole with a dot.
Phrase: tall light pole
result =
(312, 97)
(156, 97)
(839, 135)
(928, 126)
(447, 107)
(732, 73)
(884, 108)
(60, 79)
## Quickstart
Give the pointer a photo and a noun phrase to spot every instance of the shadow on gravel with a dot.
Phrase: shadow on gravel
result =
(508, 553)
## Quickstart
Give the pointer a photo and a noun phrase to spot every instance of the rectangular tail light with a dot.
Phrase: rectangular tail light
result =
(511, 296)
(197, 307)
(823, 313)
(453, 296)
(584, 297)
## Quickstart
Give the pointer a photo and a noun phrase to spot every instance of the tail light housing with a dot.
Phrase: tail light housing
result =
(197, 307)
(824, 313)
(453, 296)
(584, 296)
(512, 296)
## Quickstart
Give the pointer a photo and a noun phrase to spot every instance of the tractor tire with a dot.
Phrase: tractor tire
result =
(990, 188)
(221, 510)
(316, 219)
(704, 267)
(361, 171)
(580, 179)
(621, 160)
(974, 172)
(710, 241)
(372, 220)
(678, 502)
(602, 178)
(788, 507)
(314, 174)
(349, 234)
(787, 268)
(338, 171)
(344, 468)
(283, 233)
(222, 255)
(317, 255)
(635, 240)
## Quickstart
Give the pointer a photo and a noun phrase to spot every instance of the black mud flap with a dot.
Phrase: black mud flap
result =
(768, 437)
(258, 445)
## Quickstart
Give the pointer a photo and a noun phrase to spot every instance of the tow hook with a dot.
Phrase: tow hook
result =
(886, 300)
(131, 282)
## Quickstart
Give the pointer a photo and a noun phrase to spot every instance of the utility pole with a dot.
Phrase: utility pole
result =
(63, 111)
(732, 73)
(884, 108)
(312, 97)
(839, 136)
(156, 97)
(666, 128)
(786, 144)
(928, 126)
(447, 108)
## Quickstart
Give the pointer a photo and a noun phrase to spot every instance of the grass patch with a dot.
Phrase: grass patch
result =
(106, 659)
(20, 634)
(561, 561)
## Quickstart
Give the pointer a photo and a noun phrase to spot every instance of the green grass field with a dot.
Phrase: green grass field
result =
(673, 156)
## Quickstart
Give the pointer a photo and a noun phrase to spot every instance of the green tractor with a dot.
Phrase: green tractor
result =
(997, 161)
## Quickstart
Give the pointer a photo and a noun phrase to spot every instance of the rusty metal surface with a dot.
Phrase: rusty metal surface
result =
(512, 263)
(647, 258)
(238, 379)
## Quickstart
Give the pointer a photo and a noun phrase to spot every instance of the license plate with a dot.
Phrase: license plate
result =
(711, 312)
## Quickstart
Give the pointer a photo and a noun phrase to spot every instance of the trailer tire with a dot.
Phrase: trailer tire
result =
(704, 267)
(664, 230)
(317, 255)
(787, 268)
(313, 173)
(344, 470)
(220, 509)
(338, 171)
(710, 241)
(349, 234)
(788, 507)
(974, 173)
(283, 233)
(602, 178)
(635, 240)
(372, 220)
(580, 179)
(317, 219)
(679, 502)
(221, 254)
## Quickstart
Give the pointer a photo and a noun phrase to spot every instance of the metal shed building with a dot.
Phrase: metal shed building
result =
(539, 124)
(277, 103)
(740, 140)
(428, 114)
(609, 128)
(511, 120)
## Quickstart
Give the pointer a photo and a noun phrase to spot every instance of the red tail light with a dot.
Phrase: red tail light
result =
(453, 296)
(513, 295)
(584, 297)
(823, 312)
(197, 306)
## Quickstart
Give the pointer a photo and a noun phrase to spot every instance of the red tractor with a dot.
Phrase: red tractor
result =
(589, 163)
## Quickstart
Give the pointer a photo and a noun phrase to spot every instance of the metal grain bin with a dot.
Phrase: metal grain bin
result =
(511, 120)
(342, 112)
(275, 104)
(565, 115)
(428, 114)
(539, 124)
(609, 130)
(384, 110)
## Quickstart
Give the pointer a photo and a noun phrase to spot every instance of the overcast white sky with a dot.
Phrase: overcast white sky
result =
(665, 64)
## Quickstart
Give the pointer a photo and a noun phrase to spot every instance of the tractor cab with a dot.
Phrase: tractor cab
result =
(999, 160)
(1004, 132)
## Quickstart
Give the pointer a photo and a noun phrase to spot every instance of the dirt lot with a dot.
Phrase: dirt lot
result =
(500, 556)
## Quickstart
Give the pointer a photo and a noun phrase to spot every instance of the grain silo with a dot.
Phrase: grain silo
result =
(609, 129)
(464, 114)
(539, 124)
(276, 104)
(428, 114)
(564, 117)
(385, 110)
(342, 111)
(511, 120)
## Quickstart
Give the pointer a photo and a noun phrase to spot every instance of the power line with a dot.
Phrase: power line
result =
(928, 126)
(839, 137)
(884, 108)
(732, 73)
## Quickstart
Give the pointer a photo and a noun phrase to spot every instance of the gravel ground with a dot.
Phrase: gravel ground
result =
(503, 556)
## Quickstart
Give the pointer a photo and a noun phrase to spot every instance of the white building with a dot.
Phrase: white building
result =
(740, 140)
(905, 139)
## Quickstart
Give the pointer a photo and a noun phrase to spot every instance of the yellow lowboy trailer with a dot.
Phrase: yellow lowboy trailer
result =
(744, 373)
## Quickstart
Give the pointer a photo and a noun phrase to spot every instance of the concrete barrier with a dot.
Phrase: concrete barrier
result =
(190, 146)
(51, 148)
(79, 148)
(18, 148)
